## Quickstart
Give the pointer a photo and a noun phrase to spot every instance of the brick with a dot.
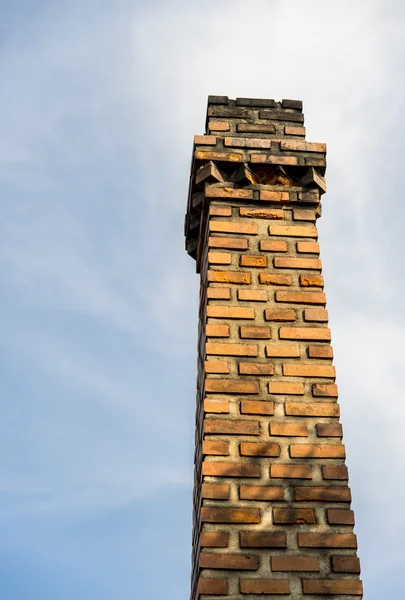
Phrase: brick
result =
(215, 447)
(294, 563)
(340, 516)
(283, 115)
(286, 388)
(327, 540)
(205, 140)
(311, 280)
(256, 102)
(273, 196)
(252, 407)
(262, 539)
(259, 449)
(281, 314)
(302, 146)
(322, 494)
(273, 160)
(229, 277)
(273, 245)
(249, 368)
(319, 315)
(333, 587)
(304, 333)
(230, 515)
(228, 243)
(261, 493)
(220, 211)
(325, 390)
(218, 125)
(345, 564)
(233, 227)
(275, 279)
(308, 370)
(252, 295)
(294, 230)
(317, 451)
(216, 406)
(315, 409)
(231, 349)
(320, 351)
(255, 333)
(255, 128)
(229, 561)
(219, 258)
(291, 429)
(224, 111)
(253, 261)
(231, 427)
(262, 213)
(217, 330)
(230, 312)
(215, 491)
(308, 247)
(329, 430)
(293, 516)
(301, 297)
(284, 262)
(264, 586)
(214, 539)
(225, 156)
(294, 104)
(291, 130)
(211, 586)
(282, 351)
(239, 142)
(291, 471)
(231, 386)
(228, 192)
(218, 293)
(228, 469)
(216, 366)
(304, 214)
(218, 99)
(335, 472)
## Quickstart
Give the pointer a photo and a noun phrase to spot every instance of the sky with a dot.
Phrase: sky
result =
(98, 306)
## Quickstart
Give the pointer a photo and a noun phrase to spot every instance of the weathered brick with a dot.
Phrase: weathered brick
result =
(317, 451)
(228, 192)
(275, 279)
(249, 368)
(215, 491)
(230, 515)
(290, 429)
(255, 407)
(225, 111)
(329, 430)
(217, 330)
(284, 262)
(262, 539)
(229, 561)
(291, 471)
(228, 469)
(291, 130)
(245, 228)
(240, 277)
(273, 160)
(340, 516)
(255, 128)
(302, 146)
(259, 449)
(280, 314)
(319, 315)
(273, 245)
(345, 564)
(311, 280)
(216, 366)
(335, 472)
(325, 390)
(205, 140)
(273, 196)
(327, 540)
(230, 312)
(284, 115)
(315, 409)
(282, 351)
(322, 494)
(320, 351)
(333, 587)
(218, 125)
(289, 103)
(264, 586)
(220, 211)
(294, 563)
(231, 427)
(308, 247)
(305, 333)
(244, 142)
(226, 156)
(218, 293)
(256, 102)
(262, 213)
(252, 295)
(215, 447)
(216, 406)
(214, 539)
(228, 243)
(286, 388)
(294, 230)
(255, 333)
(301, 297)
(293, 516)
(231, 386)
(247, 260)
(231, 349)
(263, 493)
(219, 258)
(211, 586)
(308, 370)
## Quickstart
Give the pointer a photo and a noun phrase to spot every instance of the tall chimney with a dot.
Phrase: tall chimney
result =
(272, 511)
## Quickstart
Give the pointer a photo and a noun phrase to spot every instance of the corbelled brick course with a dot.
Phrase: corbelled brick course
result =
(272, 511)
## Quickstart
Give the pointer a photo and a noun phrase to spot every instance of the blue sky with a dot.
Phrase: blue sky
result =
(99, 104)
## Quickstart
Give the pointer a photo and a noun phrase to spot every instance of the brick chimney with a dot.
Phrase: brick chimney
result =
(272, 511)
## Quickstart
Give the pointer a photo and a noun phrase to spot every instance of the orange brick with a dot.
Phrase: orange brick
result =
(275, 279)
(230, 312)
(216, 366)
(259, 449)
(281, 314)
(252, 295)
(261, 493)
(311, 280)
(254, 407)
(304, 333)
(243, 142)
(216, 406)
(273, 160)
(218, 293)
(291, 130)
(308, 247)
(225, 156)
(304, 214)
(205, 140)
(249, 368)
(340, 516)
(255, 333)
(231, 386)
(302, 146)
(279, 351)
(262, 213)
(273, 196)
(255, 128)
(317, 451)
(287, 388)
(229, 561)
(215, 491)
(219, 258)
(316, 314)
(301, 297)
(240, 277)
(218, 125)
(323, 494)
(253, 261)
(213, 586)
(262, 539)
(273, 245)
(214, 539)
(345, 564)
(294, 563)
(285, 262)
(329, 430)
(326, 390)
(293, 516)
(333, 587)
(228, 243)
(220, 211)
(327, 540)
(228, 192)
(215, 447)
(339, 472)
(315, 409)
(291, 471)
(231, 427)
(217, 330)
(264, 586)
(294, 230)
(230, 227)
(320, 352)
(230, 515)
(228, 469)
(291, 429)
(303, 370)
(231, 349)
